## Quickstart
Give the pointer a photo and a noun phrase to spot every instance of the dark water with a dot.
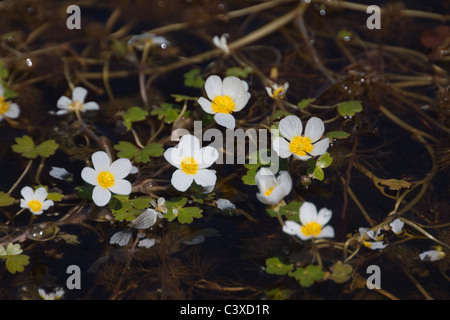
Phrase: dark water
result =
(376, 67)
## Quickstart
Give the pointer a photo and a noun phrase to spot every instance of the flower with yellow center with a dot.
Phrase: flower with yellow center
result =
(7, 109)
(35, 200)
(302, 145)
(107, 177)
(272, 189)
(191, 162)
(366, 234)
(276, 91)
(225, 97)
(76, 104)
(313, 224)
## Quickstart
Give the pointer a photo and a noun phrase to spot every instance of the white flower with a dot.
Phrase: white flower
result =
(312, 223)
(7, 109)
(221, 42)
(366, 233)
(302, 146)
(397, 226)
(225, 97)
(276, 91)
(375, 245)
(191, 161)
(225, 205)
(35, 200)
(147, 243)
(107, 177)
(57, 294)
(432, 255)
(76, 104)
(159, 205)
(138, 41)
(272, 190)
(61, 174)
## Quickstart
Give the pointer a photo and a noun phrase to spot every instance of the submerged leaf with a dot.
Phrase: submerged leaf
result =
(349, 108)
(17, 263)
(5, 199)
(275, 266)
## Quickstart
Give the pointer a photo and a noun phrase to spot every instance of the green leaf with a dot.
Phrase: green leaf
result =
(153, 149)
(187, 214)
(55, 196)
(126, 150)
(305, 102)
(134, 114)
(318, 173)
(141, 203)
(17, 263)
(69, 238)
(182, 97)
(5, 199)
(239, 72)
(337, 135)
(130, 151)
(174, 204)
(193, 78)
(341, 272)
(291, 210)
(278, 294)
(324, 160)
(167, 111)
(25, 145)
(275, 266)
(349, 108)
(307, 276)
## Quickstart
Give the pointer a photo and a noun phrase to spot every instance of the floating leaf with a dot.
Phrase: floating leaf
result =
(167, 111)
(69, 238)
(130, 151)
(5, 199)
(341, 272)
(193, 78)
(307, 276)
(278, 294)
(305, 102)
(275, 266)
(337, 135)
(324, 160)
(239, 72)
(17, 263)
(349, 108)
(25, 145)
(55, 196)
(134, 114)
(394, 184)
(187, 214)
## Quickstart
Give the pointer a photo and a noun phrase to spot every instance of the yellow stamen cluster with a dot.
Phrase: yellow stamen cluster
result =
(223, 104)
(105, 179)
(189, 165)
(35, 205)
(300, 145)
(311, 229)
(4, 105)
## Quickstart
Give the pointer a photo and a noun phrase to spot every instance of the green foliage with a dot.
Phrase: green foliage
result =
(239, 72)
(278, 294)
(249, 177)
(307, 276)
(127, 209)
(349, 108)
(337, 135)
(14, 260)
(176, 210)
(26, 146)
(290, 211)
(4, 74)
(130, 151)
(275, 266)
(305, 102)
(193, 78)
(167, 111)
(5, 199)
(315, 167)
(134, 114)
(341, 272)
(55, 196)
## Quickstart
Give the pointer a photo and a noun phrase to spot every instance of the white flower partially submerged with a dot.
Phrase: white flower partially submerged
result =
(7, 109)
(192, 163)
(225, 97)
(35, 200)
(271, 189)
(61, 174)
(397, 226)
(312, 223)
(302, 145)
(432, 255)
(366, 234)
(76, 104)
(55, 295)
(276, 91)
(107, 177)
(221, 43)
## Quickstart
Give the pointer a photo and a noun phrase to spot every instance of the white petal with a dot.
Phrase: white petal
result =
(79, 94)
(206, 157)
(189, 145)
(121, 238)
(101, 196)
(327, 232)
(324, 216)
(232, 87)
(314, 129)
(13, 111)
(291, 227)
(145, 220)
(121, 186)
(241, 101)
(281, 147)
(265, 179)
(269, 91)
(290, 127)
(40, 194)
(23, 203)
(308, 213)
(173, 156)
(90, 176)
(206, 105)
(226, 120)
(27, 193)
(61, 112)
(320, 147)
(91, 106)
(213, 87)
(277, 194)
(47, 204)
(63, 103)
(101, 161)
(304, 158)
(181, 181)
(205, 177)
(266, 200)
(120, 168)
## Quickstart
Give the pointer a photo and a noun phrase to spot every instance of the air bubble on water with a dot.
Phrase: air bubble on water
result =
(43, 231)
